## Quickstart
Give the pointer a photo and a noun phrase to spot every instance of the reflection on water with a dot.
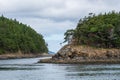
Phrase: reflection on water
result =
(28, 69)
(15, 68)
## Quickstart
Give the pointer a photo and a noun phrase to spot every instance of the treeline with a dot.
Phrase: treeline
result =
(101, 30)
(15, 36)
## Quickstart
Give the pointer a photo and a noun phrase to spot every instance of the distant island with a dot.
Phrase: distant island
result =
(50, 52)
(96, 39)
(19, 40)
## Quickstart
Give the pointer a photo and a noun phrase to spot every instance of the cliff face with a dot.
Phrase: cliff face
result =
(70, 52)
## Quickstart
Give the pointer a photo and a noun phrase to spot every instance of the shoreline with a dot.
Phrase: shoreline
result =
(20, 56)
(108, 61)
(79, 54)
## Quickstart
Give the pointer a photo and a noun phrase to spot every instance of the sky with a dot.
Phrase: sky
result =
(52, 18)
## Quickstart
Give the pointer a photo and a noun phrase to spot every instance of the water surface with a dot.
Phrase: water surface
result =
(29, 69)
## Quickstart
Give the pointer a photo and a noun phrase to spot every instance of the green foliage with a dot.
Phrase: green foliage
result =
(67, 34)
(15, 36)
(101, 30)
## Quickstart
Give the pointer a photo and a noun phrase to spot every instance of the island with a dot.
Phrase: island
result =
(96, 39)
(18, 40)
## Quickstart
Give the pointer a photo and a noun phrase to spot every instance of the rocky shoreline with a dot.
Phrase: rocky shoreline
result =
(19, 56)
(84, 55)
(80, 62)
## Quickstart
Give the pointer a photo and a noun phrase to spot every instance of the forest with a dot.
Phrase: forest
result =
(16, 36)
(100, 31)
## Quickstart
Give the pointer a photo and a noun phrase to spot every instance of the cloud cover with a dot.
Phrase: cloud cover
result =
(53, 17)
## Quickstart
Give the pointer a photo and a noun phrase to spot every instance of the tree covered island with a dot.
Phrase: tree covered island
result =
(16, 37)
(96, 39)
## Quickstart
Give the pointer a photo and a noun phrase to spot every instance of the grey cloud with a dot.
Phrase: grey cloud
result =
(56, 9)
(47, 26)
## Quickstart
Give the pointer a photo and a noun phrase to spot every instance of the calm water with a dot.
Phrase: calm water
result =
(28, 69)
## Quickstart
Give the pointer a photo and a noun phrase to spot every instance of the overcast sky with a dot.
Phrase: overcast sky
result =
(52, 18)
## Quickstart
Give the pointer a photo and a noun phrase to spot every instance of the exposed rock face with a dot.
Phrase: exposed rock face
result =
(86, 53)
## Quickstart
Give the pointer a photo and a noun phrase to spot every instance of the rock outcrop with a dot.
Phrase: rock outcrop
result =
(78, 54)
(86, 52)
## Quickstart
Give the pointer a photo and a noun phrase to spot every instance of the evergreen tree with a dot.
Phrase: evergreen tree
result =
(101, 30)
(15, 36)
